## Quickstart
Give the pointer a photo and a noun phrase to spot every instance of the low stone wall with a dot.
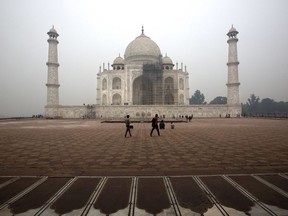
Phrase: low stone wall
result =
(66, 111)
(165, 111)
(142, 111)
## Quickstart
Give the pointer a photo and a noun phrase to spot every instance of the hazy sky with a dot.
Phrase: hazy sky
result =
(95, 32)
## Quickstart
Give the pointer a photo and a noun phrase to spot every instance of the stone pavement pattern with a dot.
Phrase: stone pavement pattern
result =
(85, 167)
(89, 147)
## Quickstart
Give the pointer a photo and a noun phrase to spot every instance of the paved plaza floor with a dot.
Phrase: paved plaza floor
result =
(89, 147)
(85, 167)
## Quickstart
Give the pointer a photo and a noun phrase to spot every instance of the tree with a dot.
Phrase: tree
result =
(268, 106)
(265, 107)
(253, 103)
(197, 98)
(219, 100)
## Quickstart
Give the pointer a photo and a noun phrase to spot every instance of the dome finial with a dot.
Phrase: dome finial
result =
(142, 30)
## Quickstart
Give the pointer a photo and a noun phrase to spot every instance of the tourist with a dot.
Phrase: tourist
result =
(127, 123)
(155, 125)
(162, 124)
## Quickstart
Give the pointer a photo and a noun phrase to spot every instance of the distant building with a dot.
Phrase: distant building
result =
(141, 84)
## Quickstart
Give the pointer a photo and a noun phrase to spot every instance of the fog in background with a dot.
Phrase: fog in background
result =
(95, 32)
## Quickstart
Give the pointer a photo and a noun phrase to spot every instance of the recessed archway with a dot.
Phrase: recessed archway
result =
(142, 91)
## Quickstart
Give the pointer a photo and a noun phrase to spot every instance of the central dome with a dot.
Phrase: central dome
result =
(142, 49)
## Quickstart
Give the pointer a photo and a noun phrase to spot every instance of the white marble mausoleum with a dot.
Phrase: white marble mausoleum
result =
(141, 84)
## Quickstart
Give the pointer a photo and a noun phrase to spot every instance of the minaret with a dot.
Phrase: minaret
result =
(52, 78)
(233, 82)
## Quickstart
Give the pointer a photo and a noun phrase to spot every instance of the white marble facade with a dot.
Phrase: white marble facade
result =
(142, 77)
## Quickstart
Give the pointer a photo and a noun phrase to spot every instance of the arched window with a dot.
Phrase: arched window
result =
(169, 83)
(104, 84)
(116, 100)
(181, 84)
(116, 83)
(104, 100)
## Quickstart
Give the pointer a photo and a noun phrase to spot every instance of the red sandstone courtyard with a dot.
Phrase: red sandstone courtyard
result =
(208, 157)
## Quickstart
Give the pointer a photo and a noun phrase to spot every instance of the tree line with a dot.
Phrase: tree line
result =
(265, 107)
(199, 98)
(253, 107)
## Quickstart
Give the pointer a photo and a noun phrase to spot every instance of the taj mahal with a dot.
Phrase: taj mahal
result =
(142, 84)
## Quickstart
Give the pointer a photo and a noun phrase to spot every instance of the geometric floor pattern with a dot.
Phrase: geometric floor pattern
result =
(265, 194)
(85, 167)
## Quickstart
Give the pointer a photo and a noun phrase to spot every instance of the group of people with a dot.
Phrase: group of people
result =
(154, 125)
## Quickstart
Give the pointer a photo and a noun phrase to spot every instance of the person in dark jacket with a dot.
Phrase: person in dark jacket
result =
(127, 123)
(155, 125)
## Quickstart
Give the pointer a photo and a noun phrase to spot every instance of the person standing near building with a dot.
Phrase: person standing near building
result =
(155, 125)
(127, 123)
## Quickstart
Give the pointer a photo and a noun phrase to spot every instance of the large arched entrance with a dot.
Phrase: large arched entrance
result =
(142, 91)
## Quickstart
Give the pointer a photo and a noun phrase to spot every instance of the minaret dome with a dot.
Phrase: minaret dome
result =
(232, 33)
(53, 33)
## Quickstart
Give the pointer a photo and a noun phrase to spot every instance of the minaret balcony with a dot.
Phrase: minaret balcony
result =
(233, 63)
(52, 85)
(52, 64)
(233, 84)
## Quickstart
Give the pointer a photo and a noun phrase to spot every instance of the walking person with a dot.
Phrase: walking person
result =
(155, 125)
(127, 123)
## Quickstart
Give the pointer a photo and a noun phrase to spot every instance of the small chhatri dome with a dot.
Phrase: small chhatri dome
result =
(118, 60)
(167, 60)
(53, 30)
(118, 63)
(142, 49)
(232, 32)
(53, 33)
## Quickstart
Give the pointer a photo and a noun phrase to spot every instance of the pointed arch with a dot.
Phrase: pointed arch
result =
(116, 99)
(142, 91)
(104, 84)
(169, 83)
(116, 83)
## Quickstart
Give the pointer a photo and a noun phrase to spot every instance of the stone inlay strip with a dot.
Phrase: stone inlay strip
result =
(248, 194)
(228, 195)
(172, 196)
(279, 190)
(76, 196)
(94, 196)
(189, 195)
(37, 197)
(262, 192)
(210, 195)
(8, 181)
(56, 196)
(277, 180)
(132, 199)
(17, 189)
